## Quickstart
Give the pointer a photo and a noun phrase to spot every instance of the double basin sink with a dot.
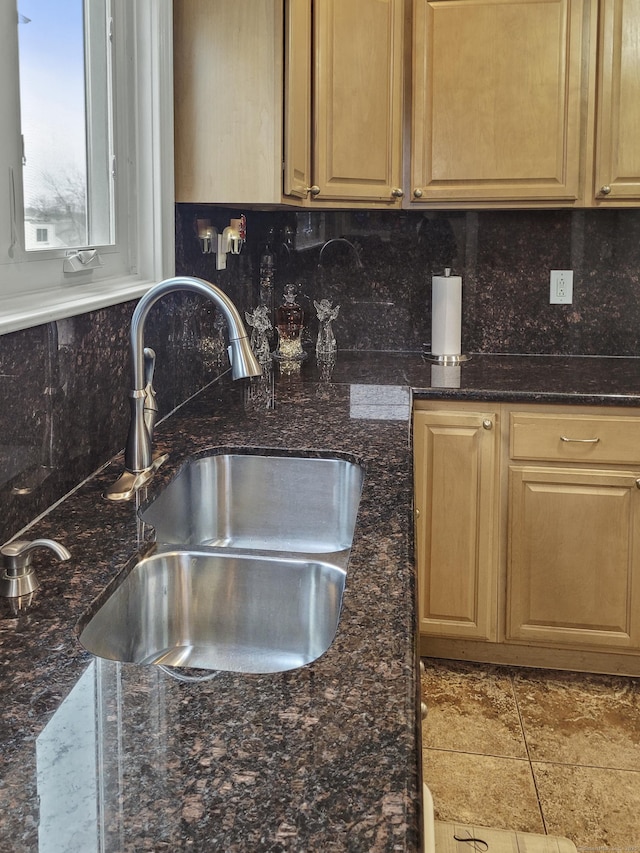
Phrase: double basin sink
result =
(249, 567)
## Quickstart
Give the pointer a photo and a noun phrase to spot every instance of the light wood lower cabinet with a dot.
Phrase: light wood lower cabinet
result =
(574, 555)
(456, 456)
(528, 534)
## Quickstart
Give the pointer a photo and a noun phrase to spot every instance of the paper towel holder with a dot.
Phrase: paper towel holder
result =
(446, 320)
(443, 359)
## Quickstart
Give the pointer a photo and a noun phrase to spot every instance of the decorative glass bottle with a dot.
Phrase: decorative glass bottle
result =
(267, 274)
(289, 323)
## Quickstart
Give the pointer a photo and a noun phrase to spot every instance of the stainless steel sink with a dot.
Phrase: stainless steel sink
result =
(266, 502)
(250, 568)
(228, 611)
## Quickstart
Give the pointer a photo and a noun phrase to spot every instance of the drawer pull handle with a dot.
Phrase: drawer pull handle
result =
(580, 440)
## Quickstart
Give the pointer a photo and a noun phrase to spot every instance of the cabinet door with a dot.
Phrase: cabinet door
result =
(456, 489)
(358, 99)
(496, 110)
(617, 172)
(228, 101)
(573, 558)
(297, 104)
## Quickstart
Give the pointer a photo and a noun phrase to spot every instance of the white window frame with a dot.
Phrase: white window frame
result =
(33, 287)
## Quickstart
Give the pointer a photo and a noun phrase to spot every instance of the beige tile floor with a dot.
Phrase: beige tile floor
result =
(535, 751)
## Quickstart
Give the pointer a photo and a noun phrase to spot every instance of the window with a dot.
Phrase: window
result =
(65, 61)
(86, 155)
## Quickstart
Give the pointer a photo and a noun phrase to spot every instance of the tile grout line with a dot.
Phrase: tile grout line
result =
(497, 755)
(575, 766)
(526, 746)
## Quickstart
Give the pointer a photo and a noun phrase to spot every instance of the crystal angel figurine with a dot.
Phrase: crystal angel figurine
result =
(260, 324)
(326, 346)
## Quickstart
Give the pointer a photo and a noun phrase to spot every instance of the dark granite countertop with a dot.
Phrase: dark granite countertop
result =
(573, 380)
(325, 757)
(118, 757)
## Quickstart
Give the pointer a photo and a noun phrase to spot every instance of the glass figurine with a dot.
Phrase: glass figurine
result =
(260, 324)
(290, 323)
(326, 346)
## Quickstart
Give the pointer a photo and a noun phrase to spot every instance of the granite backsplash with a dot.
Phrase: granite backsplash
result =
(65, 384)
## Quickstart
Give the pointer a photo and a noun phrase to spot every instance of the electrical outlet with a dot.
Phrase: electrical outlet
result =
(561, 287)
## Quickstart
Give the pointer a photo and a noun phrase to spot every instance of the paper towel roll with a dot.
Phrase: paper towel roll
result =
(446, 315)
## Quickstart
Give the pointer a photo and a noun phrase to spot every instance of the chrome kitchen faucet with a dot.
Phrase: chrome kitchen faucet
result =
(139, 461)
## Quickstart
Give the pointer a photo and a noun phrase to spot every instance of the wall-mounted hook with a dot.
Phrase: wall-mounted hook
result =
(231, 240)
(208, 236)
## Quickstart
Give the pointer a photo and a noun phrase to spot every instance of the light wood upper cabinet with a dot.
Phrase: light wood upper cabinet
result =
(617, 147)
(514, 103)
(344, 60)
(353, 138)
(228, 101)
(297, 99)
(456, 487)
(497, 100)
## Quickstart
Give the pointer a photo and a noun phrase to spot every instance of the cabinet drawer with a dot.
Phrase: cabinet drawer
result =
(580, 438)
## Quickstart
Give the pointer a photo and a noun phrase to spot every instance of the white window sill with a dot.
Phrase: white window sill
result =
(26, 311)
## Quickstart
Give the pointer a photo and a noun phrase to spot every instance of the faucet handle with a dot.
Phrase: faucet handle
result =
(150, 404)
(149, 365)
(18, 578)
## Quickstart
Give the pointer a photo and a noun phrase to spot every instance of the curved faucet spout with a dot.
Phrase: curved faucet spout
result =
(138, 451)
(237, 331)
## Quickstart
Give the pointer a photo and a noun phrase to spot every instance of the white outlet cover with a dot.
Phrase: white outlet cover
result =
(561, 287)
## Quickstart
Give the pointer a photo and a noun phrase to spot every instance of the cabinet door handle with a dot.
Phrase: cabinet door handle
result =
(396, 192)
(314, 190)
(417, 193)
(605, 190)
(487, 423)
(580, 440)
